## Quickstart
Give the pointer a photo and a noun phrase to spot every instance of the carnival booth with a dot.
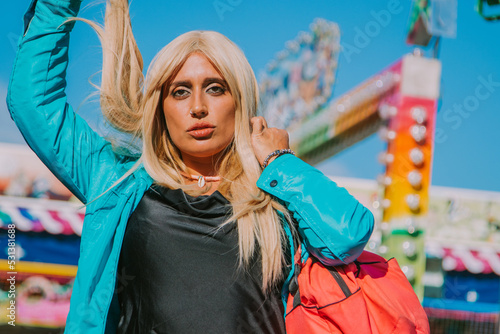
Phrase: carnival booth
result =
(461, 280)
(40, 228)
(463, 261)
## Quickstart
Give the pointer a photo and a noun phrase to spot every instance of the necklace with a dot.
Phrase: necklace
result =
(202, 180)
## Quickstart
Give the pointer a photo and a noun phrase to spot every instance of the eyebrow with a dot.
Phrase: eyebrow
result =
(205, 83)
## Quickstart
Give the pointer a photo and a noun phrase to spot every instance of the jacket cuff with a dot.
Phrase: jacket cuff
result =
(334, 226)
(48, 16)
(280, 171)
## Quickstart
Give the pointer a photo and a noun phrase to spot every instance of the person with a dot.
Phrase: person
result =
(195, 233)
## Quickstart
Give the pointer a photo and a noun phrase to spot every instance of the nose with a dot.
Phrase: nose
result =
(198, 107)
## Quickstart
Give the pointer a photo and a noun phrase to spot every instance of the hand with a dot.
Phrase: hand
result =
(266, 140)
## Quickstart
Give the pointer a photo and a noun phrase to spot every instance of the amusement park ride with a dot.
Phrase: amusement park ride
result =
(482, 9)
(400, 103)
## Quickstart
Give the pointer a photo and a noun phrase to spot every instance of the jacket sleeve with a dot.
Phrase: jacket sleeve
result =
(37, 101)
(332, 224)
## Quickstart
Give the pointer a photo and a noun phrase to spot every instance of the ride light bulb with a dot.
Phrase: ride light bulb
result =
(387, 111)
(411, 225)
(409, 249)
(417, 156)
(413, 201)
(409, 272)
(419, 114)
(415, 179)
(386, 203)
(384, 180)
(418, 132)
(386, 134)
(386, 158)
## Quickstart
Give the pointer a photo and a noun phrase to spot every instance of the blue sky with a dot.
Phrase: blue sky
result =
(468, 152)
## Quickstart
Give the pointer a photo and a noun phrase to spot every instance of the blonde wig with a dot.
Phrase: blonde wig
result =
(133, 105)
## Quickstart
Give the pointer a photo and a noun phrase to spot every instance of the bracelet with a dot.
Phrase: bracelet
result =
(276, 153)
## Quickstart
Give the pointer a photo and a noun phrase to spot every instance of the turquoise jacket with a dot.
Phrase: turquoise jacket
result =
(333, 225)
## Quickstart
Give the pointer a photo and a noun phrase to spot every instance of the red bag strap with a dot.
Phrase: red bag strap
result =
(294, 287)
(340, 281)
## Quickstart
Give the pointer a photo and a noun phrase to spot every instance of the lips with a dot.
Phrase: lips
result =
(201, 130)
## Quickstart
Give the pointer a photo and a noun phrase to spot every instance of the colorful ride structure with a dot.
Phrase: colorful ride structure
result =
(40, 227)
(400, 102)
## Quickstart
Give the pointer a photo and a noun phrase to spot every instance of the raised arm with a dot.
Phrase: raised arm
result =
(37, 102)
(333, 225)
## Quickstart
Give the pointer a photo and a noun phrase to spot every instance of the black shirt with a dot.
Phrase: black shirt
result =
(186, 277)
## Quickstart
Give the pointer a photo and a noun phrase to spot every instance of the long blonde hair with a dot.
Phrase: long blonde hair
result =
(133, 105)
